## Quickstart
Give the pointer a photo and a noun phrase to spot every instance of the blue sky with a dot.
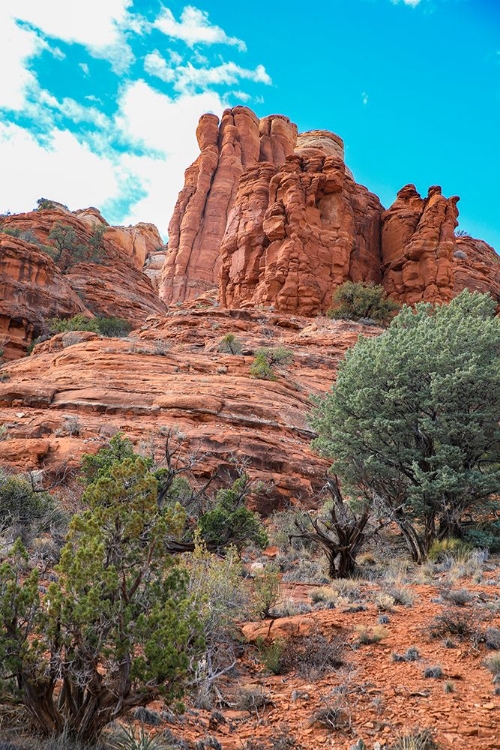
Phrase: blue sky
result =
(99, 101)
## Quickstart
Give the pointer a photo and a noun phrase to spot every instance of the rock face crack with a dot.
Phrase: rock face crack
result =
(276, 219)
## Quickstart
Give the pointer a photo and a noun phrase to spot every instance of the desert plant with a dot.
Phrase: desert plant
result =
(265, 591)
(374, 634)
(433, 672)
(70, 251)
(493, 664)
(111, 327)
(43, 204)
(340, 531)
(263, 366)
(271, 655)
(315, 655)
(131, 738)
(114, 630)
(26, 511)
(421, 441)
(458, 597)
(230, 344)
(420, 739)
(229, 522)
(455, 621)
(357, 301)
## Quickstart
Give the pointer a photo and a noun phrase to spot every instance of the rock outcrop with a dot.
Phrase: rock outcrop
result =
(77, 389)
(35, 287)
(299, 230)
(476, 266)
(32, 289)
(273, 218)
(418, 240)
(200, 215)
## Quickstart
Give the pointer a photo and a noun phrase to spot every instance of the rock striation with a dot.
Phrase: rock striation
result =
(77, 389)
(199, 221)
(34, 287)
(299, 230)
(274, 218)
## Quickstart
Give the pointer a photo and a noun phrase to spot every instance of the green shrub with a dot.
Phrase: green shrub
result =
(43, 204)
(116, 629)
(27, 511)
(266, 587)
(109, 327)
(265, 360)
(230, 522)
(230, 344)
(412, 420)
(70, 251)
(358, 301)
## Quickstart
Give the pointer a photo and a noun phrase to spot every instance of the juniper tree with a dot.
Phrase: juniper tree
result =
(116, 629)
(412, 422)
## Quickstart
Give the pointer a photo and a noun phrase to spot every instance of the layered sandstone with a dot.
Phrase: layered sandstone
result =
(34, 287)
(200, 215)
(418, 241)
(299, 230)
(138, 242)
(476, 266)
(77, 389)
(276, 219)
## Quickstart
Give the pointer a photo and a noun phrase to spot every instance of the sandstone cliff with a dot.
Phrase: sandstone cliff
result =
(77, 389)
(276, 219)
(36, 287)
(200, 216)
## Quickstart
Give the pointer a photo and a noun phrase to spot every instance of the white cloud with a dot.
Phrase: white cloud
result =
(164, 124)
(99, 27)
(156, 65)
(194, 28)
(158, 130)
(17, 47)
(411, 3)
(187, 77)
(53, 171)
(228, 74)
(364, 97)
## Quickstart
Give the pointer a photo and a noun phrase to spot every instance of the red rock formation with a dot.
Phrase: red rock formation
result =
(476, 266)
(173, 375)
(200, 215)
(35, 288)
(31, 289)
(418, 240)
(299, 230)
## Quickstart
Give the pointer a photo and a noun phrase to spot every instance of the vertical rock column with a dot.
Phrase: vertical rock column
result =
(317, 229)
(202, 210)
(418, 241)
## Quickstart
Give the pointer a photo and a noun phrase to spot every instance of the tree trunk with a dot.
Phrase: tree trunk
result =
(413, 541)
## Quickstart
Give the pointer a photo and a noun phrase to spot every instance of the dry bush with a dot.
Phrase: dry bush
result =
(458, 597)
(420, 739)
(374, 634)
(457, 622)
(311, 657)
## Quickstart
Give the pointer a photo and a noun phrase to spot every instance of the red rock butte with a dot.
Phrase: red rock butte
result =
(273, 217)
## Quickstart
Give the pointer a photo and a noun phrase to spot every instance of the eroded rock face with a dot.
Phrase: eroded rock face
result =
(476, 266)
(35, 288)
(173, 375)
(299, 230)
(273, 218)
(32, 289)
(418, 241)
(200, 215)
